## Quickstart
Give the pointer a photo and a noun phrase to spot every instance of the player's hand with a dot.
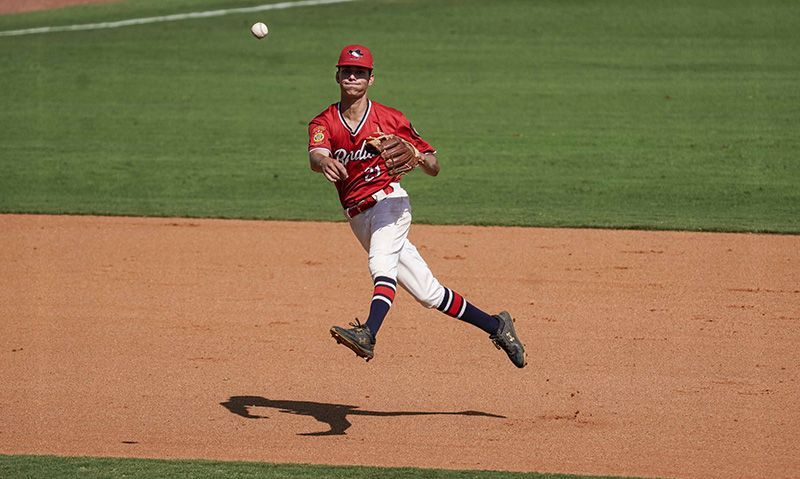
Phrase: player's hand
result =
(333, 170)
(430, 164)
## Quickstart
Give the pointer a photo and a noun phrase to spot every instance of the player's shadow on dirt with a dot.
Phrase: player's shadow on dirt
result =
(334, 415)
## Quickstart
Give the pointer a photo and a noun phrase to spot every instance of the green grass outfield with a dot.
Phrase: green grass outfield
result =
(646, 114)
(89, 468)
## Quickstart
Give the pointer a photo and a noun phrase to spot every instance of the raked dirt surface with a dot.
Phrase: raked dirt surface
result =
(655, 354)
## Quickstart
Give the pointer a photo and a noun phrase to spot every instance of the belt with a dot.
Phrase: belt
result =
(367, 202)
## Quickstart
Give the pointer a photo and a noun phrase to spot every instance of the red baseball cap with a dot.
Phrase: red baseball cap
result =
(355, 55)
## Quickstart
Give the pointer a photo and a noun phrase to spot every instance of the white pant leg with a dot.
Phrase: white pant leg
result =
(416, 277)
(382, 231)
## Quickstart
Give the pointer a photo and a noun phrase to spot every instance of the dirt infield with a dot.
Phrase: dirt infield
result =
(651, 353)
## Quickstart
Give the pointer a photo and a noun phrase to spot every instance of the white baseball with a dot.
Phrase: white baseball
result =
(259, 30)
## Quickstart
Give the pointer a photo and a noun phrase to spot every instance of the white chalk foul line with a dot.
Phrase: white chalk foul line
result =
(169, 18)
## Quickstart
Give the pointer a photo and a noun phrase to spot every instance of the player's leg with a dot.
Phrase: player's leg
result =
(415, 276)
(381, 270)
(382, 231)
(390, 222)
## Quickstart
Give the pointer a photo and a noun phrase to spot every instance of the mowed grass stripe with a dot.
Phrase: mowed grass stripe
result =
(652, 115)
(176, 17)
(52, 467)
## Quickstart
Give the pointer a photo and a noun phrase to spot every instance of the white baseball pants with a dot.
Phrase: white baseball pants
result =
(383, 231)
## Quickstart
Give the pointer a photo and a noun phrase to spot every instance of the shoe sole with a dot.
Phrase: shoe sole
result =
(351, 345)
(524, 351)
(524, 355)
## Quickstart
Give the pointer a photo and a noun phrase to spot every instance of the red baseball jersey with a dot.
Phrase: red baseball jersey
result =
(366, 171)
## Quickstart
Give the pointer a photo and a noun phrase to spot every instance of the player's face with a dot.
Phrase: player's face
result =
(354, 81)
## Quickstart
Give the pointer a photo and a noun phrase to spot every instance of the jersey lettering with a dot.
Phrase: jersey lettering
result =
(346, 157)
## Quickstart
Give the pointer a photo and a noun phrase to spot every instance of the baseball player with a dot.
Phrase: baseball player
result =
(364, 148)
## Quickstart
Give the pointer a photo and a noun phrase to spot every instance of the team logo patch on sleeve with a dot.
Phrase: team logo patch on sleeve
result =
(318, 135)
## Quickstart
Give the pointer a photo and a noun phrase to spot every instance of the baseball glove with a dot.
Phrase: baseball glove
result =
(399, 155)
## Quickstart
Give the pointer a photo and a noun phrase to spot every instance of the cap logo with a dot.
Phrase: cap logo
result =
(357, 53)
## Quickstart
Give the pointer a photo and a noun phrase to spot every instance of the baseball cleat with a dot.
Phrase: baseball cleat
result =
(506, 338)
(358, 338)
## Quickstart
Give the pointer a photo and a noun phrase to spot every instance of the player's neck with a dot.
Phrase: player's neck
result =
(353, 108)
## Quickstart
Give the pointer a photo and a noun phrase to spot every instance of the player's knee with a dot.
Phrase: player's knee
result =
(381, 265)
(431, 298)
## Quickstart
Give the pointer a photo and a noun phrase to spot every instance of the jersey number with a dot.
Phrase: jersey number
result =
(371, 173)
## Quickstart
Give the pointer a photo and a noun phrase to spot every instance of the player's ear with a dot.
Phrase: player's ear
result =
(371, 79)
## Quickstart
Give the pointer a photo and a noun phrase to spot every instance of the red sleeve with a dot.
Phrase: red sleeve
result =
(407, 131)
(318, 135)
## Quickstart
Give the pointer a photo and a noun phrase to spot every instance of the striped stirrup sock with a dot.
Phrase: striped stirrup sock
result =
(382, 299)
(456, 306)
